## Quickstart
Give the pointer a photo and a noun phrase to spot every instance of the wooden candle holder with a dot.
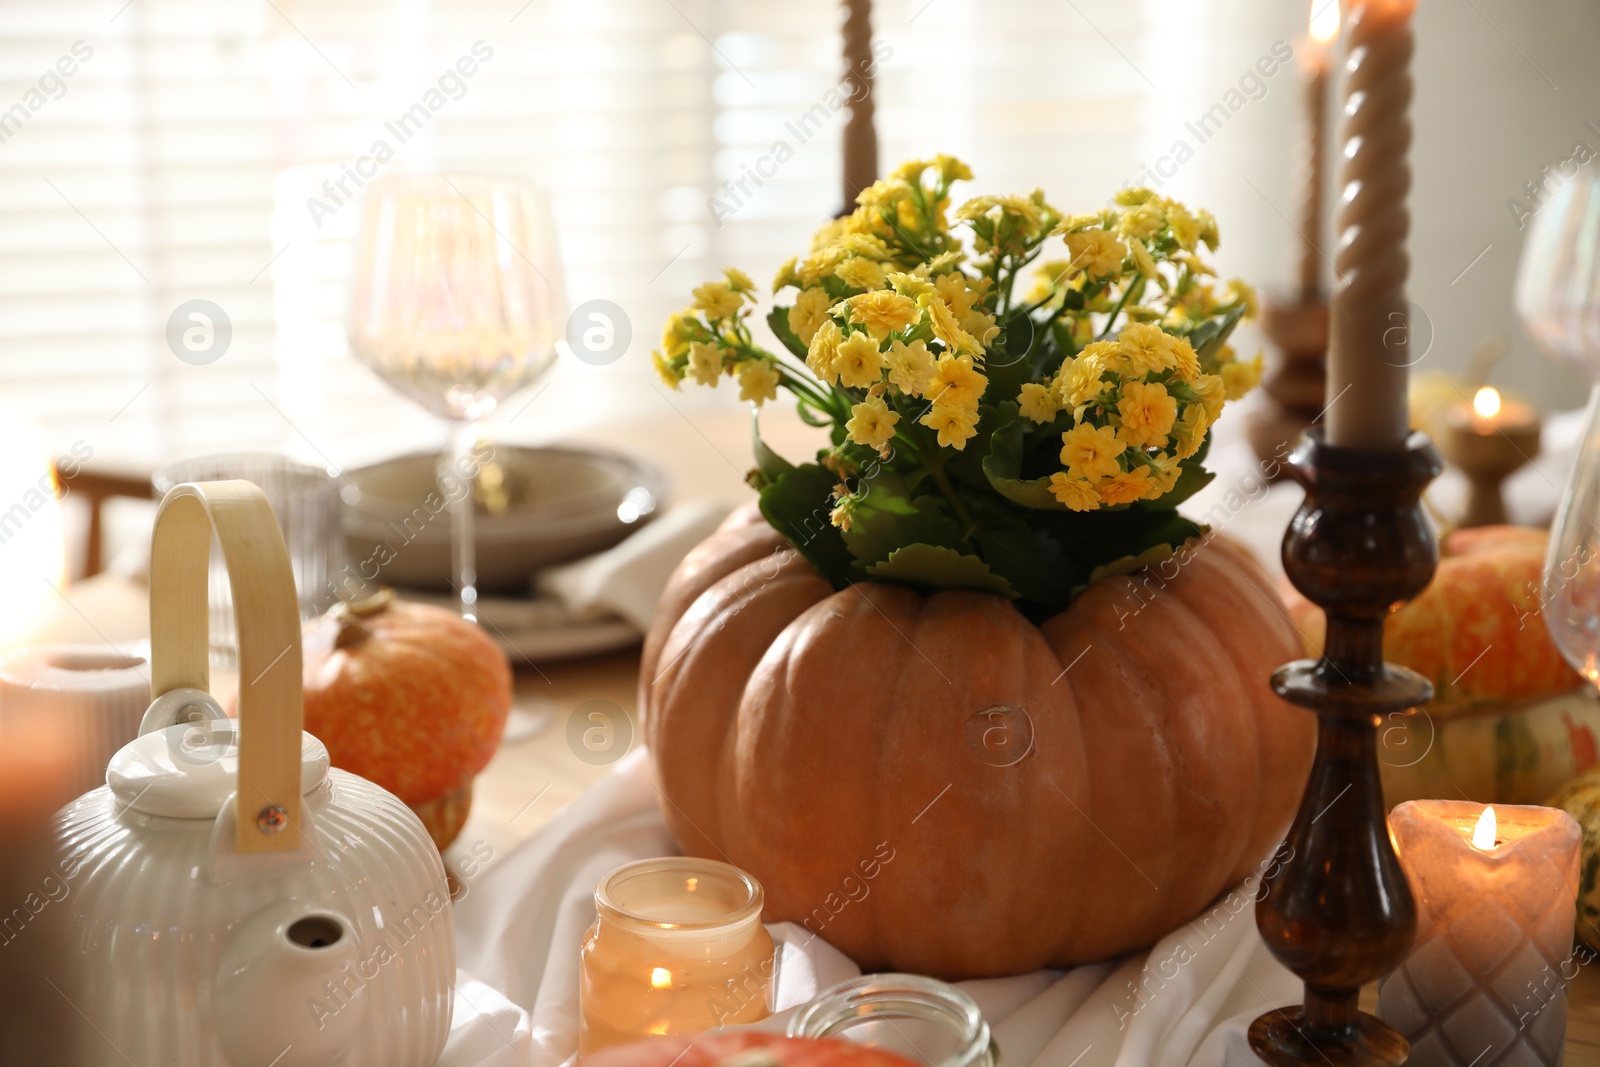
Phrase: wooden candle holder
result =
(1338, 912)
(1294, 385)
(1487, 459)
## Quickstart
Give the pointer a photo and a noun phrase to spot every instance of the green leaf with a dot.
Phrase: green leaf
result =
(1209, 337)
(1003, 468)
(778, 322)
(811, 416)
(887, 518)
(797, 504)
(1031, 560)
(769, 463)
(1128, 564)
(939, 567)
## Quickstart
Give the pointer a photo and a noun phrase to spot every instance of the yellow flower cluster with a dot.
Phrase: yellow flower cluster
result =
(899, 316)
(709, 339)
(1139, 404)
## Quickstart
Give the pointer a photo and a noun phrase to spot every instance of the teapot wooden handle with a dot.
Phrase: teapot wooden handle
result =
(267, 614)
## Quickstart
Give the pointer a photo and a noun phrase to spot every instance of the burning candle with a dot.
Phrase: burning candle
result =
(677, 947)
(1314, 57)
(1487, 440)
(1369, 349)
(1496, 892)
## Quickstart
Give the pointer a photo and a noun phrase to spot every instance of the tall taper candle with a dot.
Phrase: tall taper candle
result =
(1369, 351)
(1324, 27)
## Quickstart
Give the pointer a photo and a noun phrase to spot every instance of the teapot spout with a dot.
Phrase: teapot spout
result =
(289, 990)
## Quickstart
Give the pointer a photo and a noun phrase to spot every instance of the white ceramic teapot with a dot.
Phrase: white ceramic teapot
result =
(239, 903)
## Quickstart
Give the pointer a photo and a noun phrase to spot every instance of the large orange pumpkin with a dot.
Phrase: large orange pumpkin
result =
(934, 784)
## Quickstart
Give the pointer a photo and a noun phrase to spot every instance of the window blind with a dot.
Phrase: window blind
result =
(204, 152)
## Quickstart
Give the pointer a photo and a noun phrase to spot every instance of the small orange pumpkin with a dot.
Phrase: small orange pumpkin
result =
(1476, 632)
(410, 696)
(934, 784)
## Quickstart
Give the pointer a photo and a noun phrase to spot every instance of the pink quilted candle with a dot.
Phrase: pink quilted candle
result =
(1496, 892)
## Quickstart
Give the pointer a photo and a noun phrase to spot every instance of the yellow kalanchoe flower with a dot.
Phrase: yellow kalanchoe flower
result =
(758, 381)
(822, 353)
(1075, 493)
(1242, 292)
(738, 280)
(669, 377)
(1124, 487)
(860, 273)
(1213, 392)
(1238, 377)
(1077, 222)
(1184, 361)
(676, 334)
(1185, 227)
(954, 290)
(717, 300)
(809, 312)
(956, 425)
(705, 363)
(955, 380)
(882, 312)
(912, 285)
(1145, 348)
(910, 366)
(1079, 380)
(1036, 402)
(872, 423)
(857, 361)
(786, 275)
(1142, 222)
(1147, 413)
(1164, 474)
(1144, 261)
(1096, 253)
(1091, 451)
(1189, 432)
(947, 329)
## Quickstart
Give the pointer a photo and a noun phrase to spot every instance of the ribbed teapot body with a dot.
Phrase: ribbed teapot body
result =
(342, 952)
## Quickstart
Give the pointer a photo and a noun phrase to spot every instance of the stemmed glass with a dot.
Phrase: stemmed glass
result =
(1558, 299)
(455, 301)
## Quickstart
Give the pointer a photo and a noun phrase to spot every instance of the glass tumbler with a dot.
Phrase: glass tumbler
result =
(677, 947)
(306, 501)
(926, 1021)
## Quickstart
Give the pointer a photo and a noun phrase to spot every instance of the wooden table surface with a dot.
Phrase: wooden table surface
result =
(531, 779)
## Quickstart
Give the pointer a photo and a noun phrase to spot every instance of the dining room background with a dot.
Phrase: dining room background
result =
(1090, 549)
(187, 156)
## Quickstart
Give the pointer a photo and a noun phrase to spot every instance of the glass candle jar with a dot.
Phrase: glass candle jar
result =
(926, 1021)
(677, 947)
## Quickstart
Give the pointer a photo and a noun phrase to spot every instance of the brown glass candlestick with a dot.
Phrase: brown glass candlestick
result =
(1338, 912)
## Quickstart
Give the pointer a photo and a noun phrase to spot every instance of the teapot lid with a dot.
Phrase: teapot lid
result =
(188, 771)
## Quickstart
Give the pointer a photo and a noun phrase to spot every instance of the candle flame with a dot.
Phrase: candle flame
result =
(1483, 835)
(1324, 20)
(661, 978)
(1486, 401)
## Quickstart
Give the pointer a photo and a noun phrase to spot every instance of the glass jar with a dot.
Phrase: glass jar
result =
(677, 947)
(926, 1021)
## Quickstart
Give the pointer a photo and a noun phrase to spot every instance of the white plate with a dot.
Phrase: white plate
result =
(534, 631)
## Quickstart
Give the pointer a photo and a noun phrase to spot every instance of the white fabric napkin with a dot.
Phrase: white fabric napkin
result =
(1186, 1003)
(626, 580)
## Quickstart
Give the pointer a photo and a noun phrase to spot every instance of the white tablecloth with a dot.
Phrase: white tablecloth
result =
(1186, 1002)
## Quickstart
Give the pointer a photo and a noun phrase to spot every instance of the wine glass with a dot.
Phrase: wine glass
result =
(1558, 299)
(455, 301)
